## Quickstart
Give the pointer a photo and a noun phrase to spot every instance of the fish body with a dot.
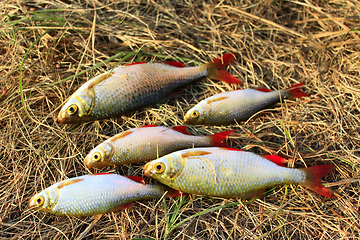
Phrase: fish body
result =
(147, 143)
(93, 194)
(237, 105)
(230, 173)
(131, 87)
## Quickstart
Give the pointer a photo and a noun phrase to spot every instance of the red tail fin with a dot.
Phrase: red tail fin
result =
(224, 60)
(295, 91)
(218, 138)
(221, 75)
(313, 176)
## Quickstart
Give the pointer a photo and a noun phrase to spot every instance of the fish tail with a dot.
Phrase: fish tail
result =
(221, 75)
(313, 176)
(295, 92)
(217, 139)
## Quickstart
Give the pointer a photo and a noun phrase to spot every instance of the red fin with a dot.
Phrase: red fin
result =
(104, 173)
(218, 138)
(313, 176)
(275, 159)
(263, 90)
(232, 149)
(136, 179)
(254, 194)
(125, 206)
(175, 193)
(136, 63)
(182, 129)
(224, 76)
(174, 94)
(121, 207)
(295, 91)
(221, 75)
(149, 126)
(224, 60)
(175, 64)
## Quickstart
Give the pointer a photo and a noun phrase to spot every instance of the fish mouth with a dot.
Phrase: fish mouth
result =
(187, 119)
(61, 118)
(32, 204)
(88, 163)
(147, 170)
(64, 118)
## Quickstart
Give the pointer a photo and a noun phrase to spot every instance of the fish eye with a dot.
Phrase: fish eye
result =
(195, 114)
(39, 200)
(96, 157)
(159, 168)
(72, 109)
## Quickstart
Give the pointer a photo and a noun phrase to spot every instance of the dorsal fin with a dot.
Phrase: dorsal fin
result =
(275, 159)
(181, 129)
(175, 64)
(195, 153)
(263, 90)
(216, 99)
(121, 135)
(135, 63)
(104, 173)
(136, 179)
(69, 182)
(149, 126)
(100, 78)
(232, 149)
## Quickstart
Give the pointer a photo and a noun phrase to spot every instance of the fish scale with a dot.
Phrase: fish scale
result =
(147, 143)
(219, 175)
(237, 105)
(94, 194)
(229, 173)
(132, 87)
(139, 85)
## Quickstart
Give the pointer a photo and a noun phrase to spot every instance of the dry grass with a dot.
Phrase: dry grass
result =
(45, 43)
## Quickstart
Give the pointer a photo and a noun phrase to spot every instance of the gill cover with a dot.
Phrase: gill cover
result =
(198, 114)
(45, 200)
(79, 107)
(165, 169)
(99, 155)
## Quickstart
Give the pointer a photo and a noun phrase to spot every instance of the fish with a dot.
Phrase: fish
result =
(134, 86)
(238, 105)
(95, 194)
(148, 143)
(231, 173)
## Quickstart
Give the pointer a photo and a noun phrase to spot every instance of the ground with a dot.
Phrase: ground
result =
(50, 48)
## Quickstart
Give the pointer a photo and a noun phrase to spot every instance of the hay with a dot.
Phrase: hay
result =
(281, 43)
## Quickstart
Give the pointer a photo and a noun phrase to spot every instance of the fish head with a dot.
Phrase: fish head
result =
(198, 114)
(166, 168)
(99, 156)
(45, 200)
(79, 106)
